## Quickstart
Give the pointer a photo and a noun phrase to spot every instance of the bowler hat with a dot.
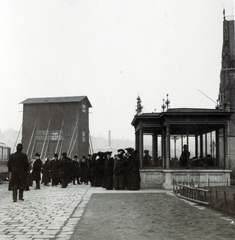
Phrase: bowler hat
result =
(120, 151)
(19, 145)
(130, 149)
(108, 153)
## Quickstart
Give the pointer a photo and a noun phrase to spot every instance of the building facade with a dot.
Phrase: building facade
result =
(56, 125)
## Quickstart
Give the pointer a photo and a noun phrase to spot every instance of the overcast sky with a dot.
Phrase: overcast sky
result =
(110, 51)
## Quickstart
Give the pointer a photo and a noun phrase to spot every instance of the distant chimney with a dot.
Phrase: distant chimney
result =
(109, 138)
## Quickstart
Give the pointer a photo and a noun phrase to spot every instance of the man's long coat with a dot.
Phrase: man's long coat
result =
(18, 167)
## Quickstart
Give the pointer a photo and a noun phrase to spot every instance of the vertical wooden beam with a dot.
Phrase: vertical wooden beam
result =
(225, 146)
(201, 144)
(167, 146)
(187, 149)
(217, 147)
(154, 148)
(196, 145)
(31, 138)
(141, 145)
(163, 148)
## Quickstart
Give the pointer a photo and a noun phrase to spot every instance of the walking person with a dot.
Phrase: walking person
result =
(37, 165)
(18, 167)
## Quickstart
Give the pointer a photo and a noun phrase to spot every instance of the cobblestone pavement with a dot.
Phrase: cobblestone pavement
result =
(48, 213)
(54, 212)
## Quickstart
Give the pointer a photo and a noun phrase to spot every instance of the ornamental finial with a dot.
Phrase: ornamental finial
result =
(163, 105)
(167, 102)
(139, 106)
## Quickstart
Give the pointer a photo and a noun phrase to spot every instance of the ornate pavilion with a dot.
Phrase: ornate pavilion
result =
(200, 131)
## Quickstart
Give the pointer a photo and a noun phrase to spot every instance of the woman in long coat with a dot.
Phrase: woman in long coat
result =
(133, 173)
(119, 172)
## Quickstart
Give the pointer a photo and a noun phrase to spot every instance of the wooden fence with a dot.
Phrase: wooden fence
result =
(221, 198)
(195, 194)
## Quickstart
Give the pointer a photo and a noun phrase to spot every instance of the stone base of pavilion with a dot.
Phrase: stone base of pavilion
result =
(164, 178)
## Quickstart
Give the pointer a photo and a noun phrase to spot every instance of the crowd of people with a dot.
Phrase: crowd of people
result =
(101, 169)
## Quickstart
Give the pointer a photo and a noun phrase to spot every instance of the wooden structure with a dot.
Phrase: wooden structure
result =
(56, 125)
(199, 124)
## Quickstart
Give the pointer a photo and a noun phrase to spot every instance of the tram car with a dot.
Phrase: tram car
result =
(5, 152)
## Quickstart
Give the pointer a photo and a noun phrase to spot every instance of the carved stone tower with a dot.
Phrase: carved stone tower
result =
(226, 100)
(227, 75)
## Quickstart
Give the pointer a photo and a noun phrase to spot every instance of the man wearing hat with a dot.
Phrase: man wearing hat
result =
(54, 170)
(119, 171)
(108, 171)
(65, 166)
(75, 170)
(18, 167)
(37, 165)
(133, 171)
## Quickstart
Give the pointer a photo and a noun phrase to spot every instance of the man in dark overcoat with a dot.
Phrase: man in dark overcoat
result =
(18, 167)
(65, 166)
(37, 167)
(54, 170)
(108, 171)
(75, 170)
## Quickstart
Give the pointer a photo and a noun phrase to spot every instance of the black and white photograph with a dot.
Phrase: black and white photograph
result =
(117, 119)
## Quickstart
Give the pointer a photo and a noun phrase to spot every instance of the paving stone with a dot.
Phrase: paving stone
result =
(49, 213)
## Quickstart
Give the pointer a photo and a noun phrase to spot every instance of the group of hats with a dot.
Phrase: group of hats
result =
(129, 150)
(38, 154)
(120, 151)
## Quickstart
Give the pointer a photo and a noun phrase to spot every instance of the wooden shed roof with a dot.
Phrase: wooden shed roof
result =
(56, 100)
